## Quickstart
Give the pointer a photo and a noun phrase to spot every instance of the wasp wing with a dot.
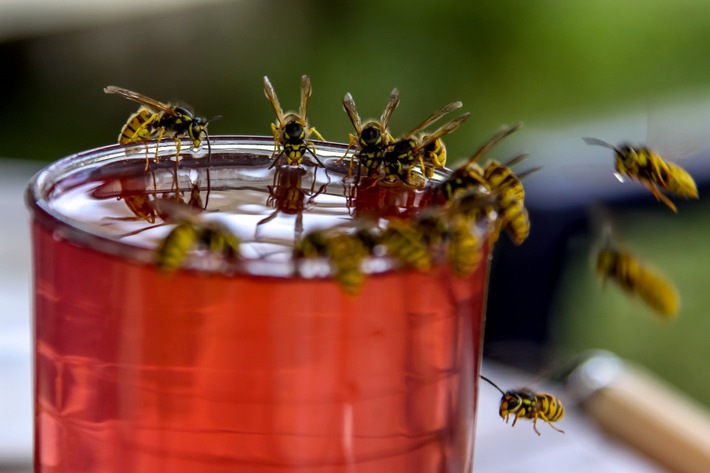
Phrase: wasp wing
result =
(152, 104)
(274, 101)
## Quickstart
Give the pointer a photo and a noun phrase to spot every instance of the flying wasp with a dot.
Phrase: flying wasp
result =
(526, 404)
(158, 120)
(291, 131)
(636, 278)
(405, 153)
(373, 137)
(191, 232)
(641, 164)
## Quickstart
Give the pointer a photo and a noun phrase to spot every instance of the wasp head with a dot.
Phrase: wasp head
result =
(510, 403)
(197, 131)
(295, 128)
(371, 135)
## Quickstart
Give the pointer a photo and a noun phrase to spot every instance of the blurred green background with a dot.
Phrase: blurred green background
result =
(554, 65)
(506, 60)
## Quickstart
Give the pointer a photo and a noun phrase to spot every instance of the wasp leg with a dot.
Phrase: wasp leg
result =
(315, 132)
(661, 197)
(158, 139)
(298, 227)
(264, 221)
(424, 169)
(147, 158)
(535, 426)
(277, 143)
(553, 426)
(351, 144)
(178, 146)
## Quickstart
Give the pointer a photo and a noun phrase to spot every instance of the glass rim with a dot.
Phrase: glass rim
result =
(44, 181)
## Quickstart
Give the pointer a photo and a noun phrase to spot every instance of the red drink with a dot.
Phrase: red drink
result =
(241, 371)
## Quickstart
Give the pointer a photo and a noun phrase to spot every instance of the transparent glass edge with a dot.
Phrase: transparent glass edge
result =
(80, 234)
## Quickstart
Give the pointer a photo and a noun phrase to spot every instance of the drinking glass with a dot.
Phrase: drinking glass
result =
(259, 364)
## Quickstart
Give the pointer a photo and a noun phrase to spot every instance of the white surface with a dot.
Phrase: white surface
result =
(501, 448)
(15, 381)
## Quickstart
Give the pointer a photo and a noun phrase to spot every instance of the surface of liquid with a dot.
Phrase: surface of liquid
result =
(267, 207)
(228, 371)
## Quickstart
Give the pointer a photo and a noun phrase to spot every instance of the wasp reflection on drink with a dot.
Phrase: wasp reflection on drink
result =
(288, 196)
(158, 120)
(524, 403)
(144, 198)
(644, 165)
(291, 130)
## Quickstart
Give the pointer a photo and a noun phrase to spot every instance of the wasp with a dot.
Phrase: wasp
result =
(433, 151)
(403, 240)
(405, 153)
(470, 174)
(373, 137)
(512, 214)
(641, 164)
(158, 120)
(495, 178)
(464, 251)
(291, 131)
(451, 232)
(193, 233)
(526, 404)
(636, 278)
(344, 250)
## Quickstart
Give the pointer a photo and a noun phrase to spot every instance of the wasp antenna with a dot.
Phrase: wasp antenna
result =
(492, 384)
(515, 160)
(598, 142)
(527, 172)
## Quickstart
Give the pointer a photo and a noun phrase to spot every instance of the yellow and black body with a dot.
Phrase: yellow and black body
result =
(158, 120)
(636, 278)
(644, 165)
(371, 138)
(526, 404)
(291, 131)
